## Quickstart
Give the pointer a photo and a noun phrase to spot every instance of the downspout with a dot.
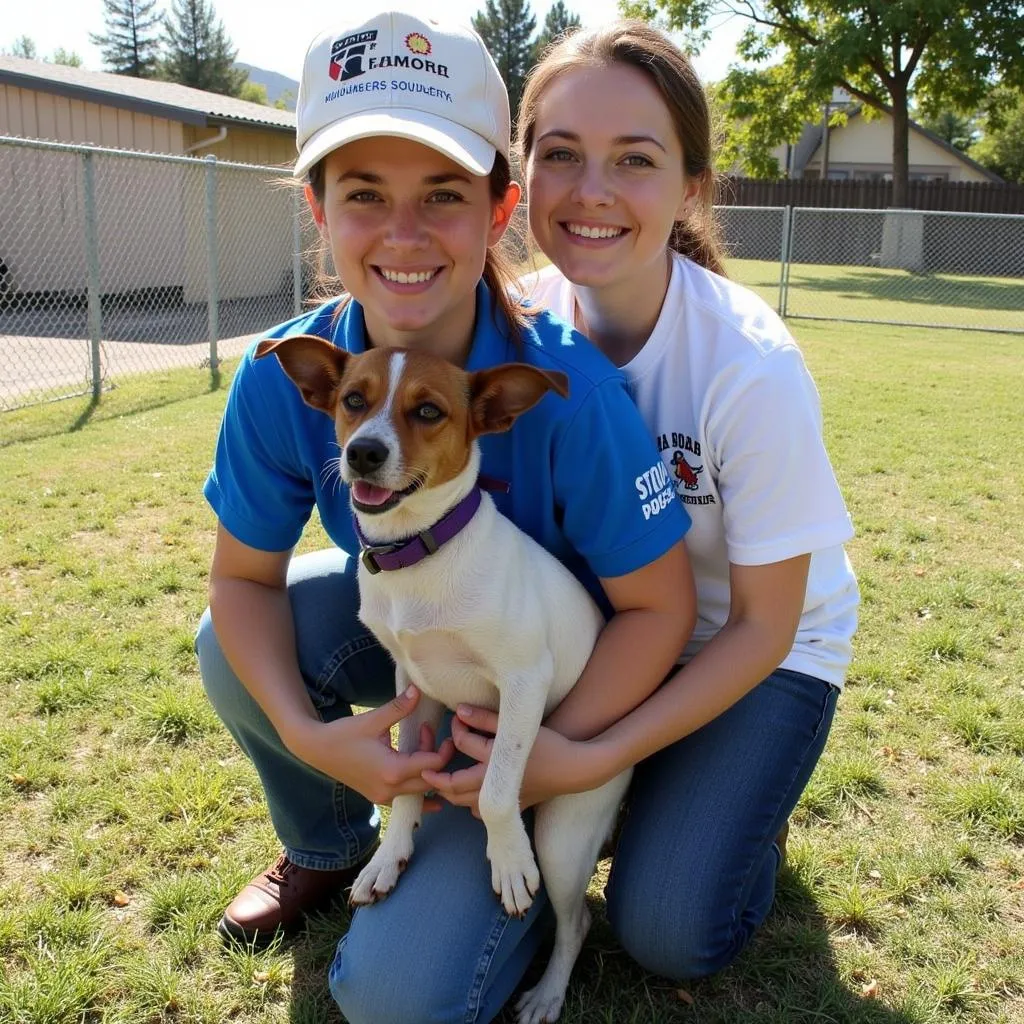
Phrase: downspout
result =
(212, 141)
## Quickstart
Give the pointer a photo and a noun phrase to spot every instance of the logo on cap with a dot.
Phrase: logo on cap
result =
(418, 43)
(347, 55)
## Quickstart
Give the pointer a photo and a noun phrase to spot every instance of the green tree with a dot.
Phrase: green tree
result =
(25, 46)
(506, 27)
(558, 21)
(253, 92)
(943, 53)
(1001, 146)
(199, 52)
(959, 130)
(130, 44)
(66, 57)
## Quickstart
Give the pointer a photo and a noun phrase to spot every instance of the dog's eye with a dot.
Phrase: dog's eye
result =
(428, 412)
(354, 401)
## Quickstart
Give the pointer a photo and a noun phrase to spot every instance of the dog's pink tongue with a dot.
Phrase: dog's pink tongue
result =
(369, 494)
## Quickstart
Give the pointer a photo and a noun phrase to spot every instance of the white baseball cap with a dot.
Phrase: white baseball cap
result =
(395, 74)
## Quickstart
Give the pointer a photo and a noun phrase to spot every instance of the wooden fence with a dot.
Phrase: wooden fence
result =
(963, 196)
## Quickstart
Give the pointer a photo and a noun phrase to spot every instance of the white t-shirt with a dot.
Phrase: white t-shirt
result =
(723, 387)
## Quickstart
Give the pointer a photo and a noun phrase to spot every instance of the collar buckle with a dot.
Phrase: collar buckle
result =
(368, 556)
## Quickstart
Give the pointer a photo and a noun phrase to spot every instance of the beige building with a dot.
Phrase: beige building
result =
(861, 150)
(149, 214)
(63, 104)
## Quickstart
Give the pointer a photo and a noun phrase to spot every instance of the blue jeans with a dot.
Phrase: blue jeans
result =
(692, 878)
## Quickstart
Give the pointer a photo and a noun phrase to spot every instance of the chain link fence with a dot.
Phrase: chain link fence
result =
(912, 268)
(922, 268)
(114, 263)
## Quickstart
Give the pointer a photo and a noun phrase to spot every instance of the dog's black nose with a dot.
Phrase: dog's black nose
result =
(365, 454)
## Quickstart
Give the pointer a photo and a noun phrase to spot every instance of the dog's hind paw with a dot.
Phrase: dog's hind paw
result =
(515, 878)
(377, 879)
(540, 1005)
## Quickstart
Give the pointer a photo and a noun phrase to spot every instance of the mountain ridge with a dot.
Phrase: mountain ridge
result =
(278, 86)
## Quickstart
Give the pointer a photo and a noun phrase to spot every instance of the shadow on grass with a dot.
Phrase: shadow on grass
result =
(85, 415)
(788, 975)
(132, 395)
(919, 289)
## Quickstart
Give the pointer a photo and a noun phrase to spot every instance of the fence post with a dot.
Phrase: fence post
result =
(92, 262)
(787, 212)
(787, 256)
(296, 252)
(212, 259)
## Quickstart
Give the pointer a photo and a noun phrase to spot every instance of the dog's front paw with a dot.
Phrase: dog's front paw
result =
(539, 1006)
(515, 877)
(380, 875)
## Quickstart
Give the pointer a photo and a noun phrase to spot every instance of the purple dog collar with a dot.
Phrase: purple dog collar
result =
(403, 553)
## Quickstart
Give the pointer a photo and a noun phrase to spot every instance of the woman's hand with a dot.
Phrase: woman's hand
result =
(357, 751)
(556, 764)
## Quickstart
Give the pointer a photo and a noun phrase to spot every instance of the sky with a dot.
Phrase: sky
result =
(274, 35)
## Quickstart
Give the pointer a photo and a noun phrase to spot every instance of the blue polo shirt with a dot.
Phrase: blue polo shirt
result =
(587, 482)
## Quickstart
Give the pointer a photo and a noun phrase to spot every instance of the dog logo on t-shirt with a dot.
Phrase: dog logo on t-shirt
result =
(685, 473)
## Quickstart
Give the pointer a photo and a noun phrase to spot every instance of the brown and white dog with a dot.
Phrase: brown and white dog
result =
(471, 609)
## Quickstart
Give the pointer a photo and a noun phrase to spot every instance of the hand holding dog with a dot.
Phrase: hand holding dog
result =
(357, 751)
(556, 765)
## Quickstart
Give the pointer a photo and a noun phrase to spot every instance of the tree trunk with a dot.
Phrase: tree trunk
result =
(900, 146)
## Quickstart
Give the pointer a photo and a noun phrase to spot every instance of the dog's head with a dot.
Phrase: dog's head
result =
(406, 421)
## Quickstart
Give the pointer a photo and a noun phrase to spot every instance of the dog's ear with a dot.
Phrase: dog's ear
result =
(502, 393)
(314, 365)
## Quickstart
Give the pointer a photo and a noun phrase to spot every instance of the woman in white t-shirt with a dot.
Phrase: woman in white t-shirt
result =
(615, 136)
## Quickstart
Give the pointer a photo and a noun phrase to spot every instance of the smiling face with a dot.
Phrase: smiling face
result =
(605, 177)
(408, 230)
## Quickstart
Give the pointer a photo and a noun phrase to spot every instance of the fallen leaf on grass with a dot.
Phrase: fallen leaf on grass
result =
(684, 996)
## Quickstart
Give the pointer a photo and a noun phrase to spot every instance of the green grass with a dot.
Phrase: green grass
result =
(879, 294)
(128, 818)
(889, 296)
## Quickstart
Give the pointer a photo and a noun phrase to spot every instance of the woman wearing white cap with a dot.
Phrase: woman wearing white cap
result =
(403, 137)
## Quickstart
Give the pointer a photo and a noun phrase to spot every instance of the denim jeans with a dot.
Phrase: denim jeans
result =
(692, 878)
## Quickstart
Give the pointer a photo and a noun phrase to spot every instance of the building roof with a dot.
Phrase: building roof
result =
(142, 95)
(811, 137)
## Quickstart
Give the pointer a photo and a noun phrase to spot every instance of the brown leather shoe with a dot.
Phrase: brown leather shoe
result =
(279, 899)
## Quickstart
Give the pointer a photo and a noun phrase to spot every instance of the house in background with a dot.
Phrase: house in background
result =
(149, 213)
(861, 150)
(64, 104)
